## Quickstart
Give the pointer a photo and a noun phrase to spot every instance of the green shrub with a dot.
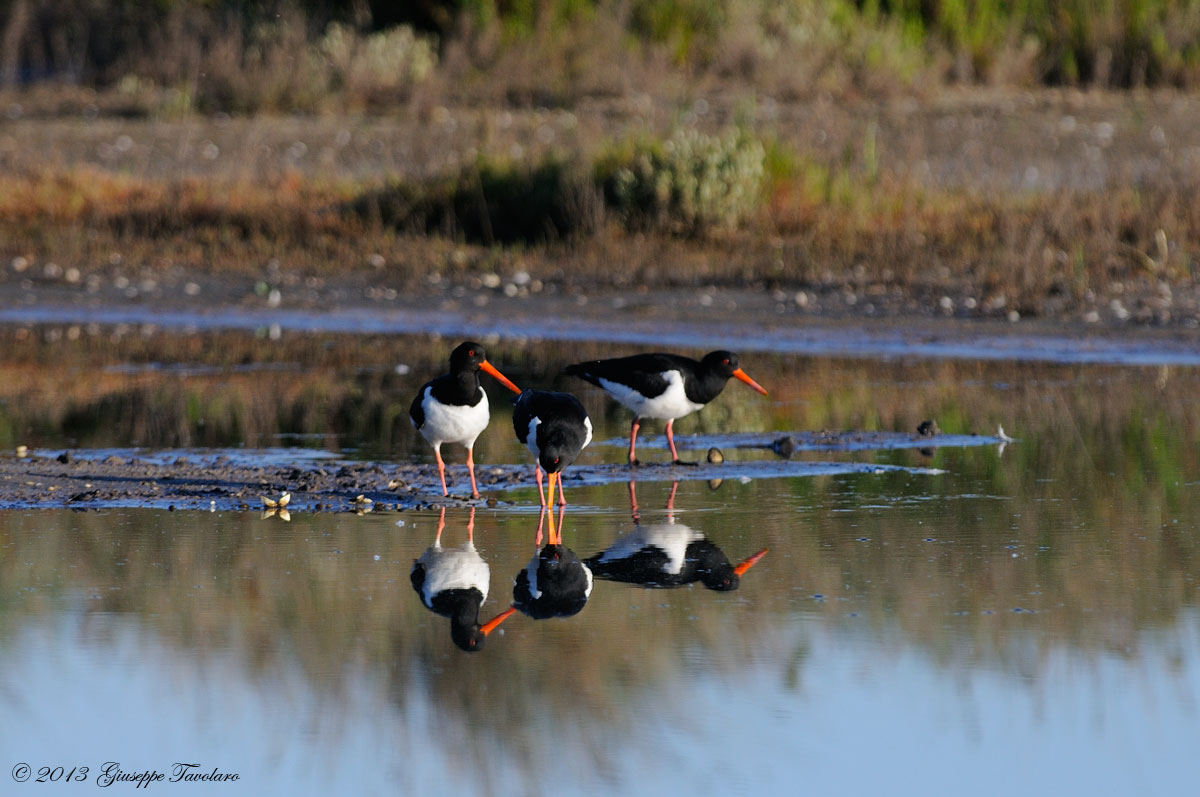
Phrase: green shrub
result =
(689, 183)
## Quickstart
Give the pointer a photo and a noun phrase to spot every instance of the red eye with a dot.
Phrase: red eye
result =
(471, 353)
(556, 459)
(726, 361)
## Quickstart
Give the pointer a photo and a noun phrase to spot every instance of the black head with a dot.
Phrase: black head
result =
(721, 578)
(469, 637)
(556, 455)
(722, 363)
(467, 356)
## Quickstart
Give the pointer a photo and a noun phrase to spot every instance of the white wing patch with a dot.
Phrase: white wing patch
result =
(671, 403)
(587, 426)
(531, 437)
(531, 575)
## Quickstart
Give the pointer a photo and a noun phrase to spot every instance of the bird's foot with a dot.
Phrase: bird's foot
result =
(686, 463)
(635, 463)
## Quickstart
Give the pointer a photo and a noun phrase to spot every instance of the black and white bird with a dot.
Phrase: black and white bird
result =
(664, 386)
(453, 582)
(453, 408)
(556, 582)
(555, 428)
(669, 554)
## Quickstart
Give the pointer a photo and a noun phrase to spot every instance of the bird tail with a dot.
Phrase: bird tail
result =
(581, 370)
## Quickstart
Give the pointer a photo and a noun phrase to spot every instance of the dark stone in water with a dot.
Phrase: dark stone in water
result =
(784, 446)
(928, 428)
(64, 457)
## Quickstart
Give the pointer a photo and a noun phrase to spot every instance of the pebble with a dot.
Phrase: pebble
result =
(784, 446)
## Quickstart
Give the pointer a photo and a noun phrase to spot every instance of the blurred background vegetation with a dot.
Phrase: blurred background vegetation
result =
(255, 55)
(857, 147)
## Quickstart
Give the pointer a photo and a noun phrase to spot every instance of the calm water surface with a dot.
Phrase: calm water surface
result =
(1026, 622)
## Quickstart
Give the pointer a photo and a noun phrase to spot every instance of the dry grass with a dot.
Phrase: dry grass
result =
(843, 233)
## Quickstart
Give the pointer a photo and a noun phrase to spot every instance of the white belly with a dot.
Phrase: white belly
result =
(673, 403)
(446, 423)
(672, 538)
(453, 568)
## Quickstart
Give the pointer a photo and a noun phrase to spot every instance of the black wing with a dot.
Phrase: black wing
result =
(523, 413)
(418, 578)
(415, 410)
(642, 372)
(563, 407)
(645, 567)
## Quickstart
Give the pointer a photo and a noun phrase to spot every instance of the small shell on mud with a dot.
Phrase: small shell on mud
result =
(22, 452)
(280, 502)
(715, 456)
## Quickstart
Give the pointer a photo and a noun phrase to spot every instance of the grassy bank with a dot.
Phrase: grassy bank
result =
(685, 211)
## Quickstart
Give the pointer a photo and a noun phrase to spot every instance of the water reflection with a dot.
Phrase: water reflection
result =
(453, 582)
(669, 554)
(556, 582)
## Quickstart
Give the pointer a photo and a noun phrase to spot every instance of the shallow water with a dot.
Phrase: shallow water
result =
(1025, 621)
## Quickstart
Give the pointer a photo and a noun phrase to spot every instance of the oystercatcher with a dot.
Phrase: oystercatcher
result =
(665, 386)
(454, 583)
(556, 582)
(669, 554)
(555, 428)
(453, 408)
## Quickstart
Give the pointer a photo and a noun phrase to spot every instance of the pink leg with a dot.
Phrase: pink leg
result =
(671, 441)
(671, 497)
(471, 468)
(537, 541)
(441, 525)
(541, 491)
(471, 526)
(633, 430)
(633, 507)
(437, 454)
(562, 499)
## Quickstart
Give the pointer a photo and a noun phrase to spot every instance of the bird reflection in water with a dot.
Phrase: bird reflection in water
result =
(556, 582)
(668, 554)
(453, 582)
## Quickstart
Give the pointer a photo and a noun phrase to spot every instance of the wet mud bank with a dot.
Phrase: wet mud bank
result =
(242, 479)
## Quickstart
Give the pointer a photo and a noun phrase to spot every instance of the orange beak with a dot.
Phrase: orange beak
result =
(740, 374)
(749, 563)
(490, 370)
(492, 624)
(555, 535)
